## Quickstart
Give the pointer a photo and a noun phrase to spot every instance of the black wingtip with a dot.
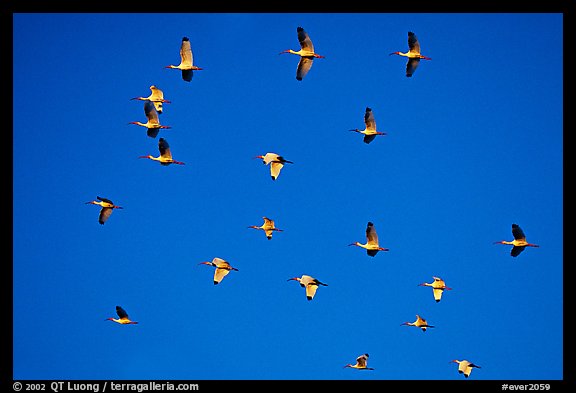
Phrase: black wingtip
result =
(299, 29)
(185, 39)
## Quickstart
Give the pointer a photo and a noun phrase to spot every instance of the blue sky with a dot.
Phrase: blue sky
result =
(474, 143)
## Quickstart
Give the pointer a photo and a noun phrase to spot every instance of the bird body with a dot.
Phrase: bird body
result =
(438, 287)
(413, 54)
(519, 243)
(156, 97)
(107, 207)
(306, 53)
(222, 269)
(419, 322)
(372, 245)
(276, 163)
(186, 60)
(310, 284)
(165, 157)
(464, 367)
(361, 363)
(153, 124)
(123, 318)
(268, 227)
(369, 131)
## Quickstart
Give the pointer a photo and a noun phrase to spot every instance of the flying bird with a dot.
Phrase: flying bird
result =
(306, 54)
(438, 287)
(369, 131)
(165, 157)
(419, 322)
(372, 246)
(268, 227)
(413, 54)
(361, 363)
(276, 163)
(310, 283)
(186, 60)
(464, 366)
(123, 318)
(222, 268)
(519, 241)
(156, 96)
(153, 124)
(107, 207)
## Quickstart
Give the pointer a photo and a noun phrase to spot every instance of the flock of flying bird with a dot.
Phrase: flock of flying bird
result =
(153, 106)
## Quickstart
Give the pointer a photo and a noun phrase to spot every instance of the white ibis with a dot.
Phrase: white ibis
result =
(268, 227)
(153, 124)
(464, 366)
(156, 96)
(276, 163)
(309, 283)
(413, 54)
(519, 241)
(369, 131)
(123, 318)
(222, 268)
(186, 60)
(438, 287)
(419, 322)
(306, 54)
(107, 207)
(372, 246)
(165, 157)
(361, 363)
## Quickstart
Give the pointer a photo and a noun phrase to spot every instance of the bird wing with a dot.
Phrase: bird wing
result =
(104, 200)
(413, 44)
(269, 157)
(304, 66)
(311, 290)
(158, 106)
(362, 361)
(411, 66)
(219, 262)
(187, 75)
(121, 312)
(186, 53)
(371, 234)
(516, 250)
(156, 97)
(164, 148)
(369, 138)
(437, 293)
(304, 40)
(220, 273)
(268, 223)
(369, 120)
(151, 113)
(105, 213)
(157, 94)
(152, 132)
(517, 232)
(275, 168)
